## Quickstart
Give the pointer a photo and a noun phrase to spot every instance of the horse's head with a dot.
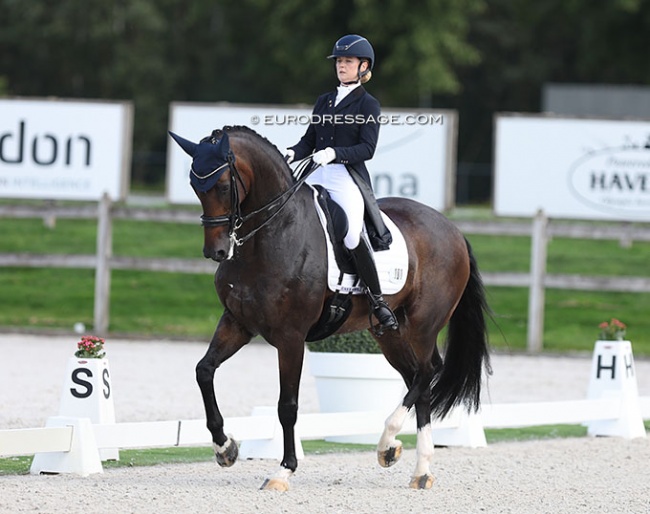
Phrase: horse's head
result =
(220, 188)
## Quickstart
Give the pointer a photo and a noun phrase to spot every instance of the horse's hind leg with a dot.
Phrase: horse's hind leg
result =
(228, 338)
(422, 477)
(389, 448)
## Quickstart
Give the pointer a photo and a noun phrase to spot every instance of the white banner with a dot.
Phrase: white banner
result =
(415, 156)
(64, 150)
(572, 167)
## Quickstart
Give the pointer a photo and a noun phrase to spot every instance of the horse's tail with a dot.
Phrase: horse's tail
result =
(467, 350)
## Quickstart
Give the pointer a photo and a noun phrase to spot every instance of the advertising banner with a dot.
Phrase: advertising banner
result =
(64, 149)
(415, 156)
(572, 168)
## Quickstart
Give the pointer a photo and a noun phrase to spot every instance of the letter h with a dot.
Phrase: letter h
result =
(601, 367)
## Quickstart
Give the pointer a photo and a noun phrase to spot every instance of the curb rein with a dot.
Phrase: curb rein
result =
(235, 219)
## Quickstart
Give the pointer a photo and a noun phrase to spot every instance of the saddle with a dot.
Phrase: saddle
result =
(392, 265)
(337, 227)
(337, 308)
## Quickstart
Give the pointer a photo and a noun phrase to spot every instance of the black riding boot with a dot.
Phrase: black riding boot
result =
(366, 269)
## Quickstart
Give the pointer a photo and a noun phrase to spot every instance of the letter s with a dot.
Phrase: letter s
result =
(107, 383)
(80, 381)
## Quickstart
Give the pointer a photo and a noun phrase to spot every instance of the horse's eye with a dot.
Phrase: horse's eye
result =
(223, 189)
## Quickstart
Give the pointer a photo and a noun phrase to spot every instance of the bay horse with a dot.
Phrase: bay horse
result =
(262, 227)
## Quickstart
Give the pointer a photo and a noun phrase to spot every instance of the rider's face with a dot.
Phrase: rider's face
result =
(347, 68)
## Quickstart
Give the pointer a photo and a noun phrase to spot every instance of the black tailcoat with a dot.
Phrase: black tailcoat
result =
(352, 129)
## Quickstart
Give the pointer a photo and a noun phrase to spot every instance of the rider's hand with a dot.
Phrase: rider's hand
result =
(289, 155)
(323, 157)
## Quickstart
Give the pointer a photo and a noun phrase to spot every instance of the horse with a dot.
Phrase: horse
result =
(262, 227)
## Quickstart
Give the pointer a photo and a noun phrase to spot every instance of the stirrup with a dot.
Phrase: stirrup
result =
(383, 313)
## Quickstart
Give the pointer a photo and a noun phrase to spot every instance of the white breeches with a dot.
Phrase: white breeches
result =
(344, 191)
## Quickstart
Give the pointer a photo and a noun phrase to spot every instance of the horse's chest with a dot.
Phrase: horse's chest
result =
(247, 299)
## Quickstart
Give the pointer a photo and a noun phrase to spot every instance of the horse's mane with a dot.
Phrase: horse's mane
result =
(273, 150)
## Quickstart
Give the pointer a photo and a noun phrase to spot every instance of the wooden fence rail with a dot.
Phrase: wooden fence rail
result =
(541, 230)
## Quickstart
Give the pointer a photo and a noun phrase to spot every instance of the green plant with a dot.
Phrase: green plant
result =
(612, 331)
(352, 342)
(90, 347)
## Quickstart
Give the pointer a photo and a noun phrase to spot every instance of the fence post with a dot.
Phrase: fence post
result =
(102, 265)
(537, 275)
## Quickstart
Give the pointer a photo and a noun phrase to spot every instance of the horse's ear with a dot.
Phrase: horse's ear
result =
(188, 147)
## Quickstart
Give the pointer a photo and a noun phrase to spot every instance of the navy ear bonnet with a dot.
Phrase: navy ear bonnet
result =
(209, 159)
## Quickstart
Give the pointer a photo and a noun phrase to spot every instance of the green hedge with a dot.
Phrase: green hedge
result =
(352, 342)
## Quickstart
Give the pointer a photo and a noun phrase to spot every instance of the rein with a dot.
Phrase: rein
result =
(235, 219)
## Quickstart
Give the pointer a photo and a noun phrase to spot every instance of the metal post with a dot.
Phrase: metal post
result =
(102, 265)
(537, 275)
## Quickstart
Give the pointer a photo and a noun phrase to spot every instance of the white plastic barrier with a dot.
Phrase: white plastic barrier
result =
(83, 456)
(22, 441)
(74, 445)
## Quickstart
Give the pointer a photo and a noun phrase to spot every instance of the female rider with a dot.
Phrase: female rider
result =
(343, 135)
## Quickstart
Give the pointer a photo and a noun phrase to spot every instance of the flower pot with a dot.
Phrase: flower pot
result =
(353, 382)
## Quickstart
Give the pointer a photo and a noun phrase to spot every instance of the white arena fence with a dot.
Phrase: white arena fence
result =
(72, 444)
(541, 230)
(261, 434)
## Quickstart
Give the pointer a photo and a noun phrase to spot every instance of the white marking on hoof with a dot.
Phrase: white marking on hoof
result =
(279, 481)
(227, 453)
(392, 426)
(422, 482)
(391, 456)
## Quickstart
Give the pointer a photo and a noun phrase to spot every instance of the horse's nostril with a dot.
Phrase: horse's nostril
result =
(221, 255)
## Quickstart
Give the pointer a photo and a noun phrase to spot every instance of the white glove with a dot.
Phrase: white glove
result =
(289, 155)
(324, 157)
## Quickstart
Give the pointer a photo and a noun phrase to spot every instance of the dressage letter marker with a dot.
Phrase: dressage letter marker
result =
(87, 393)
(612, 376)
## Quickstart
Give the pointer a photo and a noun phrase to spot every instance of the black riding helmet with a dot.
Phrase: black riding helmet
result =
(354, 45)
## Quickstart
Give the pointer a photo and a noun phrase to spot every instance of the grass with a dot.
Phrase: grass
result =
(184, 455)
(185, 306)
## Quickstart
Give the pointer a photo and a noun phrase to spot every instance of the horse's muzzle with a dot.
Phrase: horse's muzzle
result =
(214, 254)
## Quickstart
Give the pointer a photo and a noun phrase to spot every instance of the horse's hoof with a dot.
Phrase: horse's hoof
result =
(226, 454)
(389, 457)
(275, 484)
(422, 482)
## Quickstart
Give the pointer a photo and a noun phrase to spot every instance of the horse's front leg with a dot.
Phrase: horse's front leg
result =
(228, 338)
(290, 360)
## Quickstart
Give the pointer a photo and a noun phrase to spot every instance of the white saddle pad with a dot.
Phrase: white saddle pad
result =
(392, 264)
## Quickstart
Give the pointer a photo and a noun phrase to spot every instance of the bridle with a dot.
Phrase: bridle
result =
(235, 219)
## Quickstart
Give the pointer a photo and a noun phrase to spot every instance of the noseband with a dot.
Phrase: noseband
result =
(235, 219)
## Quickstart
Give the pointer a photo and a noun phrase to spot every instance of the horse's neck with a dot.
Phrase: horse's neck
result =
(269, 182)
(289, 227)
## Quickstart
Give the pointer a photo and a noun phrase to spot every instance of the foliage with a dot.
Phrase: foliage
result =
(614, 330)
(472, 55)
(90, 347)
(352, 342)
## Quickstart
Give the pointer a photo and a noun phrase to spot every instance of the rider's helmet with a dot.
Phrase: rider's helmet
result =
(354, 45)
